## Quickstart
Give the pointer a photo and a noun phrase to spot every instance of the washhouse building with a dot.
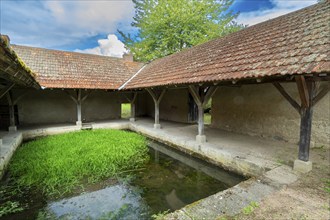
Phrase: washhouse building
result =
(270, 81)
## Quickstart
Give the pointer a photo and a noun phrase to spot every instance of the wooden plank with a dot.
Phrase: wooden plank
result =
(303, 91)
(322, 92)
(294, 104)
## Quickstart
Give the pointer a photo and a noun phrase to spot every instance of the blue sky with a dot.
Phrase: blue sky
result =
(90, 26)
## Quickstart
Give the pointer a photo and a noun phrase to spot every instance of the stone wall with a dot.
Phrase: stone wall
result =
(55, 106)
(260, 110)
(102, 105)
(173, 107)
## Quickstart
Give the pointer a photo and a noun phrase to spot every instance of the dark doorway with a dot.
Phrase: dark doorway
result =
(193, 110)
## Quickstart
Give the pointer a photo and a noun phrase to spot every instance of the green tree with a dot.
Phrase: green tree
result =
(168, 26)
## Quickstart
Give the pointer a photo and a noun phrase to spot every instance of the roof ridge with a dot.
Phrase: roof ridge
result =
(73, 52)
(132, 77)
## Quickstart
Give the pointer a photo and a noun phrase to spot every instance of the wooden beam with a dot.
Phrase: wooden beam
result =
(6, 89)
(11, 109)
(303, 91)
(294, 104)
(210, 92)
(322, 92)
(194, 93)
(71, 96)
(306, 120)
(86, 96)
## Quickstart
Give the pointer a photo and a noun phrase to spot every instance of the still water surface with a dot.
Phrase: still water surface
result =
(169, 181)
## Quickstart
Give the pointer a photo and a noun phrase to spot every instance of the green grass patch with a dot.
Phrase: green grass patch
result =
(57, 164)
(10, 207)
(250, 208)
(125, 110)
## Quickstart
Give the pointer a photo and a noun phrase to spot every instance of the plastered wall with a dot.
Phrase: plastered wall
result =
(260, 110)
(55, 106)
(45, 107)
(173, 106)
(101, 105)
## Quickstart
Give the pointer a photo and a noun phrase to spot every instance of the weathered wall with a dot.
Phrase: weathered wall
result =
(55, 106)
(45, 106)
(173, 106)
(262, 111)
(101, 105)
(141, 104)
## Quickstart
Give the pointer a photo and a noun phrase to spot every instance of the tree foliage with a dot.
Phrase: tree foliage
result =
(168, 26)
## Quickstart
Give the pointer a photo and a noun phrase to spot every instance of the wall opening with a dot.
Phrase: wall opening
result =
(208, 113)
(125, 110)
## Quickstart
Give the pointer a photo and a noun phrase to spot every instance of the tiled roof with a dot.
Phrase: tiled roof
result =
(296, 43)
(12, 68)
(61, 69)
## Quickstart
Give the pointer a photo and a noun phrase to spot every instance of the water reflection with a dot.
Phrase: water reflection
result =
(169, 181)
(113, 202)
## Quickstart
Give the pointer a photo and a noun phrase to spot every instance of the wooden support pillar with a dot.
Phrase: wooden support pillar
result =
(79, 120)
(309, 96)
(201, 96)
(157, 97)
(132, 101)
(78, 99)
(306, 92)
(11, 104)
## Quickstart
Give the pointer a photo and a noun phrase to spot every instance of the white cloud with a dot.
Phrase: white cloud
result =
(58, 24)
(281, 7)
(91, 16)
(108, 47)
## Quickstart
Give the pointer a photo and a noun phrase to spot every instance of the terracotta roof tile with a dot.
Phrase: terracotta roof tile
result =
(61, 69)
(296, 43)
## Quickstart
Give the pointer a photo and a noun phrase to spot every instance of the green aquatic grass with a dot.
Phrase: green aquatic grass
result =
(57, 164)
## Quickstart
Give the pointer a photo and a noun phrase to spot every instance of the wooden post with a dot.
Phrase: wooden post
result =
(132, 101)
(306, 92)
(78, 100)
(157, 98)
(79, 120)
(201, 97)
(200, 120)
(12, 125)
(309, 96)
(305, 133)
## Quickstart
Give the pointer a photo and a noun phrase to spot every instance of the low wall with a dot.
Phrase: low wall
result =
(260, 110)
